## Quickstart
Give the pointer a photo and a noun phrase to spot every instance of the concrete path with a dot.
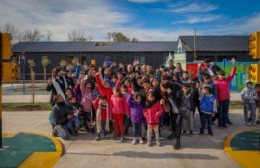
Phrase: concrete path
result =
(83, 151)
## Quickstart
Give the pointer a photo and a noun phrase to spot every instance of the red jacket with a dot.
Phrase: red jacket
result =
(222, 86)
(118, 105)
(150, 113)
(102, 90)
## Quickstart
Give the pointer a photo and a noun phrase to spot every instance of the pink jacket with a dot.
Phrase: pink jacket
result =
(150, 113)
(222, 86)
(118, 105)
(87, 98)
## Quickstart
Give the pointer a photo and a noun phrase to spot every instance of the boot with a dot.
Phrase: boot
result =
(177, 144)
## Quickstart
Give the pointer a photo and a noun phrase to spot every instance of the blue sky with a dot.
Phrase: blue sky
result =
(147, 20)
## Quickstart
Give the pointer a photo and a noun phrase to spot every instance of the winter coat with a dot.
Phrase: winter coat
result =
(118, 105)
(87, 98)
(249, 95)
(222, 86)
(208, 104)
(102, 90)
(150, 113)
(136, 110)
(60, 113)
(77, 92)
(60, 85)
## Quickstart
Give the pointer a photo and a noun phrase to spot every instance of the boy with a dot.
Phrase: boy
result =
(74, 122)
(249, 96)
(208, 107)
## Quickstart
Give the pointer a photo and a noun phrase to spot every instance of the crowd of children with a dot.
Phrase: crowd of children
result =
(118, 97)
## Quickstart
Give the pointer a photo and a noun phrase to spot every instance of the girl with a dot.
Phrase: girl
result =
(102, 116)
(123, 89)
(136, 111)
(152, 112)
(86, 102)
(117, 108)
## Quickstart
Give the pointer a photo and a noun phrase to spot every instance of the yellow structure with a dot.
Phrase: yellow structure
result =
(254, 45)
(254, 73)
(6, 46)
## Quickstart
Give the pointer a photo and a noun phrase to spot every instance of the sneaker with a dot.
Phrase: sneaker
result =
(253, 124)
(158, 143)
(229, 122)
(190, 134)
(201, 132)
(113, 137)
(149, 143)
(211, 133)
(184, 133)
(106, 137)
(141, 141)
(122, 139)
(54, 133)
(97, 138)
(247, 124)
(134, 141)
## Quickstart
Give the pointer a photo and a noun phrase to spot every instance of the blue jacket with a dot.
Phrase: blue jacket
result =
(136, 110)
(208, 104)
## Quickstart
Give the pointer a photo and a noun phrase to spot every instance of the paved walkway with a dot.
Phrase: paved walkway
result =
(83, 151)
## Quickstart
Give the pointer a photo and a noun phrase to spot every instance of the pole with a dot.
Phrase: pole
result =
(195, 58)
(1, 142)
(23, 71)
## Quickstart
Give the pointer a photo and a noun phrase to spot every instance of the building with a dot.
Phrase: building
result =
(152, 53)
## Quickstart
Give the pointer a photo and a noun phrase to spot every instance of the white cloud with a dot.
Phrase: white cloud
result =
(144, 1)
(192, 8)
(199, 19)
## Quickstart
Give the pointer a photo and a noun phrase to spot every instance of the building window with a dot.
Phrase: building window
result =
(140, 59)
(107, 58)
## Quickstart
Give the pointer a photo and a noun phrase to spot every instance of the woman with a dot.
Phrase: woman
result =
(171, 94)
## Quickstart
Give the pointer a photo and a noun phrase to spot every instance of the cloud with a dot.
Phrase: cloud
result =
(199, 19)
(192, 8)
(143, 1)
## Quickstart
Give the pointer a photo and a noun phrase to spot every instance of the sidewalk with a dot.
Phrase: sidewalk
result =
(46, 98)
(82, 151)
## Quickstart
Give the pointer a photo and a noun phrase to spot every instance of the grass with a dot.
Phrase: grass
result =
(26, 107)
(47, 106)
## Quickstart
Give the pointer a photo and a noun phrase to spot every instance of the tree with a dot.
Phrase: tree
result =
(48, 35)
(45, 61)
(62, 63)
(30, 35)
(78, 36)
(8, 27)
(118, 37)
(31, 66)
(134, 40)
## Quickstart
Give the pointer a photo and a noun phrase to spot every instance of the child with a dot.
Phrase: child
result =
(152, 112)
(187, 105)
(117, 108)
(74, 122)
(208, 107)
(102, 116)
(136, 111)
(249, 96)
(127, 121)
(86, 103)
(60, 118)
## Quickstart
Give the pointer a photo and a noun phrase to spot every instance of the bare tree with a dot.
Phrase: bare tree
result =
(134, 40)
(30, 35)
(31, 66)
(78, 36)
(48, 35)
(8, 27)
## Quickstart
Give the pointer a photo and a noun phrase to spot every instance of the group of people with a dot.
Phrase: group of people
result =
(115, 97)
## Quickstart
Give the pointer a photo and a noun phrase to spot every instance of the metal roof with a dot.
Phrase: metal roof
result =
(216, 43)
(94, 47)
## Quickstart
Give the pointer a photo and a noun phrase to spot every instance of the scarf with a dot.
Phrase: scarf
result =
(98, 118)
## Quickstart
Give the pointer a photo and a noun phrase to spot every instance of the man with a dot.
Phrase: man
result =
(171, 66)
(211, 68)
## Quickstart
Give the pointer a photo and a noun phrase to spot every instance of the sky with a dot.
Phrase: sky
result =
(146, 20)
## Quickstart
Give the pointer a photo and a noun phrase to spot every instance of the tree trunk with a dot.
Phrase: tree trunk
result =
(44, 76)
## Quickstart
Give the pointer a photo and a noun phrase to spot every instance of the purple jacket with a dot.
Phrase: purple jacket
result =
(136, 110)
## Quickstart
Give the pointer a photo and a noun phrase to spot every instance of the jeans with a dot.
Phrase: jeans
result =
(86, 116)
(62, 131)
(223, 113)
(137, 128)
(206, 119)
(188, 122)
(74, 124)
(103, 129)
(252, 108)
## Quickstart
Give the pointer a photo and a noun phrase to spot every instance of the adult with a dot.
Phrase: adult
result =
(59, 82)
(171, 66)
(171, 94)
(178, 70)
(211, 68)
(223, 95)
